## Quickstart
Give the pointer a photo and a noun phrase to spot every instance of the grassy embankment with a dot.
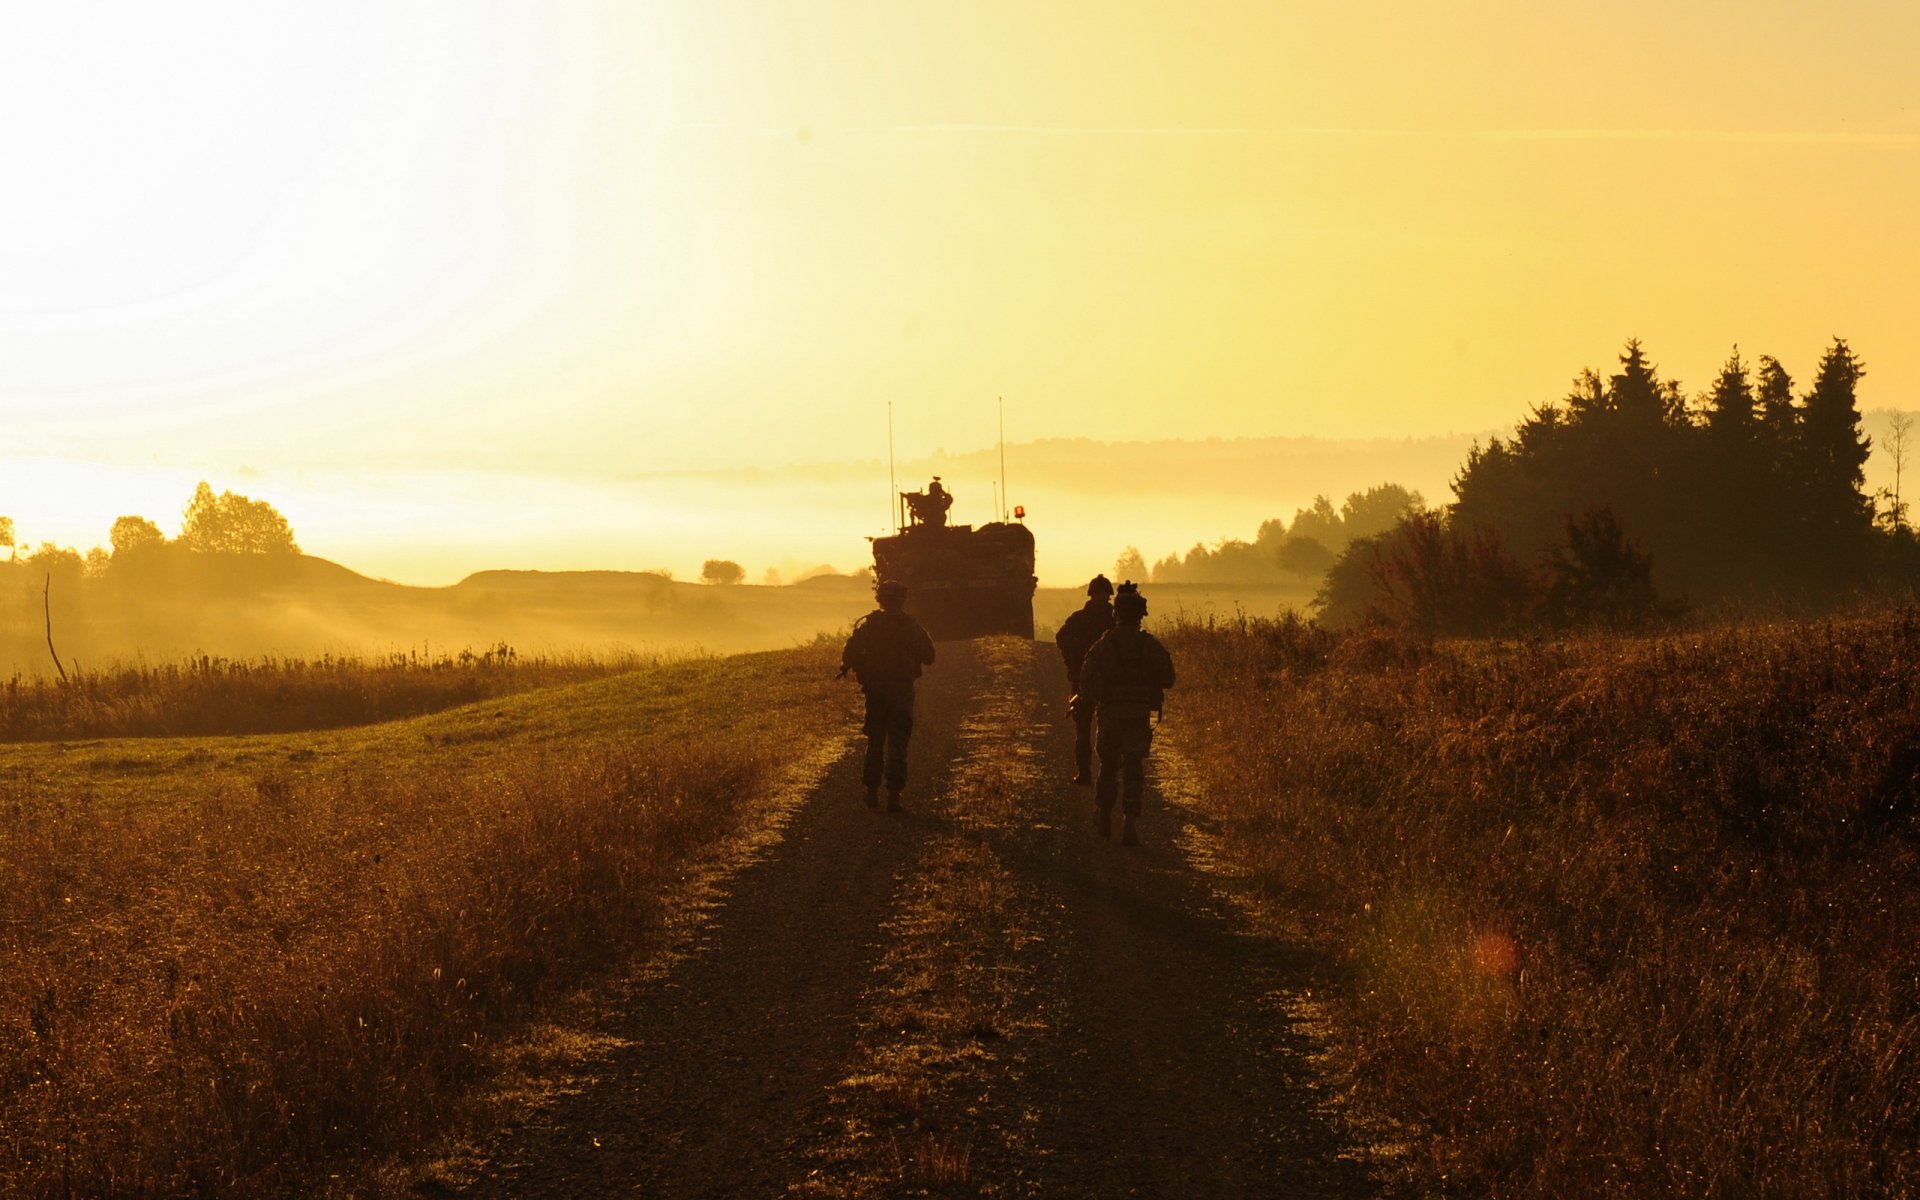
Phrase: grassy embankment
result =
(1623, 917)
(227, 962)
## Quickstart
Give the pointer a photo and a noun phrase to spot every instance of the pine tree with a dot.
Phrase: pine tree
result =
(1636, 393)
(1777, 412)
(1830, 421)
(1730, 405)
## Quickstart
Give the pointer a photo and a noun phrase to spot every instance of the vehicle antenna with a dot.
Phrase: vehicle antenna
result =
(893, 491)
(1003, 457)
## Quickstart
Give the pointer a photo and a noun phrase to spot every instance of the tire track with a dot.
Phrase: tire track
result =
(973, 997)
(1166, 1070)
(925, 1106)
(705, 1079)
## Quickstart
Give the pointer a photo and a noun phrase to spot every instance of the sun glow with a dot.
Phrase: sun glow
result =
(596, 239)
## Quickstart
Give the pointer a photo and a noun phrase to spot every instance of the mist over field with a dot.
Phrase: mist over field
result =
(546, 565)
(1086, 502)
(598, 565)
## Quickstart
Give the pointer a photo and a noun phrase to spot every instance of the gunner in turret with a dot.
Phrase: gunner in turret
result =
(930, 507)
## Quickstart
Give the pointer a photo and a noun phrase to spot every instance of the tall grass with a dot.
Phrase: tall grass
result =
(210, 695)
(1623, 917)
(220, 998)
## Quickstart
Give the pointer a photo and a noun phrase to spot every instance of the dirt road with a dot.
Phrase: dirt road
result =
(975, 996)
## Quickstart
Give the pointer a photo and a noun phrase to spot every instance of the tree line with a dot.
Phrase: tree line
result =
(225, 523)
(1627, 500)
(1283, 551)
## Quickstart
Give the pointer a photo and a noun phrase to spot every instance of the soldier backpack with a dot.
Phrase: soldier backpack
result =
(882, 653)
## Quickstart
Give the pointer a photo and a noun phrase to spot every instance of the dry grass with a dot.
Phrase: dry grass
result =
(208, 695)
(1623, 917)
(228, 964)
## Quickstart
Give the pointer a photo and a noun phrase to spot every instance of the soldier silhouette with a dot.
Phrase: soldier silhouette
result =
(886, 652)
(939, 500)
(1124, 678)
(1077, 636)
(930, 507)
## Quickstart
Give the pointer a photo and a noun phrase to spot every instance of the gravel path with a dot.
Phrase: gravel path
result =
(1135, 1047)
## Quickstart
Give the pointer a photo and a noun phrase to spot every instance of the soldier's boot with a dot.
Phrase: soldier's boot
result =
(893, 799)
(1103, 821)
(873, 796)
(1129, 836)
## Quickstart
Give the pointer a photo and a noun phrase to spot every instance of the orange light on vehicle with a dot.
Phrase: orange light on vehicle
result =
(1019, 512)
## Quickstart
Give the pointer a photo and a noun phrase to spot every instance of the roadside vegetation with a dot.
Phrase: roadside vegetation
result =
(208, 695)
(1615, 915)
(227, 964)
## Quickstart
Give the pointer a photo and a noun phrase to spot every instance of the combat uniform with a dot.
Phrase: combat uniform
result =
(1077, 635)
(886, 653)
(1124, 677)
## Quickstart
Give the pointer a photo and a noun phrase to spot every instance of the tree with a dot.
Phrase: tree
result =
(61, 562)
(6, 535)
(1131, 565)
(1730, 405)
(721, 571)
(1304, 556)
(1638, 394)
(1598, 576)
(1376, 510)
(1320, 522)
(233, 524)
(134, 535)
(1830, 420)
(1902, 429)
(1777, 413)
(1435, 577)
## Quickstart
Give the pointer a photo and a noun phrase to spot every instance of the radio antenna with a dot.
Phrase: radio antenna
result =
(1003, 457)
(893, 490)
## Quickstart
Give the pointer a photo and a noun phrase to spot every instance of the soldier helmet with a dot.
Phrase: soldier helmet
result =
(1128, 601)
(1099, 585)
(890, 589)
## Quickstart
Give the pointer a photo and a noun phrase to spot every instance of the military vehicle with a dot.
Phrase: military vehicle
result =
(962, 581)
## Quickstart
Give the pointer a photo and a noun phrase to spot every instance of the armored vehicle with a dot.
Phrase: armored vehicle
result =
(962, 581)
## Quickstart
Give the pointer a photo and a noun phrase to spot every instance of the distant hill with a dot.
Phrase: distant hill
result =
(297, 605)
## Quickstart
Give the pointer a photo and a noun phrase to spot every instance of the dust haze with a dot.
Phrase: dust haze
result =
(793, 541)
(789, 545)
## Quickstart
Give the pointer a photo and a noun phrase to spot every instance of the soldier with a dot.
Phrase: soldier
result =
(1075, 638)
(1124, 677)
(939, 500)
(885, 653)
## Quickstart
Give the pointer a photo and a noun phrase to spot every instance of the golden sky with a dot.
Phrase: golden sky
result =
(396, 241)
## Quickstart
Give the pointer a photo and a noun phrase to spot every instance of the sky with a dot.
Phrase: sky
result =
(461, 284)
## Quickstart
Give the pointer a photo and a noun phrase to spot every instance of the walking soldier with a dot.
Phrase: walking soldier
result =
(1124, 678)
(886, 652)
(1076, 637)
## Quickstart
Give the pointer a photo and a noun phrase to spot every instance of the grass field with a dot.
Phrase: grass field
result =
(225, 961)
(1616, 917)
(1606, 916)
(207, 695)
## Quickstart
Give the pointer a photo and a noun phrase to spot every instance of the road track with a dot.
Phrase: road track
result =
(973, 997)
